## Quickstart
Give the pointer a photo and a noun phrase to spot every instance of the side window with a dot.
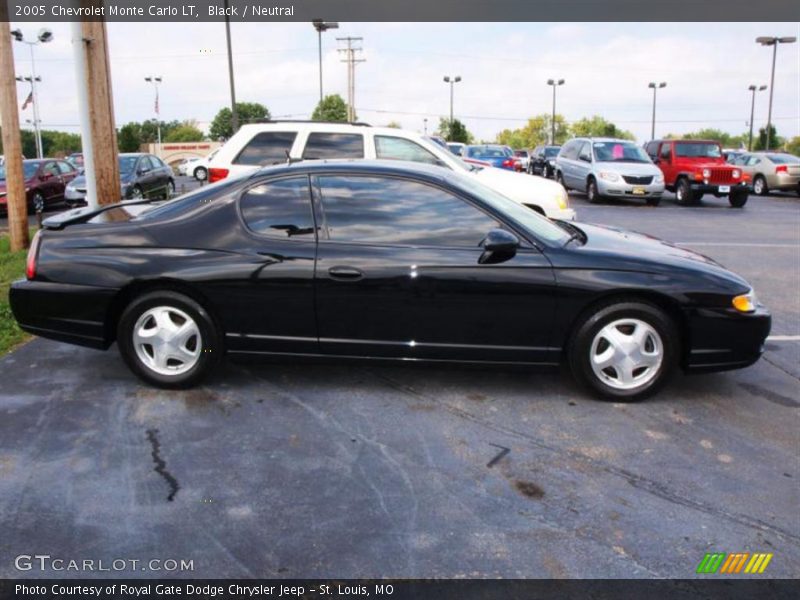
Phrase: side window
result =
(64, 167)
(395, 148)
(666, 151)
(279, 209)
(570, 150)
(266, 148)
(51, 169)
(585, 152)
(334, 145)
(156, 162)
(388, 210)
(754, 160)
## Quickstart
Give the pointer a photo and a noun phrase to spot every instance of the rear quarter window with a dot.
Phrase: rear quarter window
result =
(266, 148)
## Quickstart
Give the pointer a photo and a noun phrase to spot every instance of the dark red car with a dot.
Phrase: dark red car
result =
(45, 181)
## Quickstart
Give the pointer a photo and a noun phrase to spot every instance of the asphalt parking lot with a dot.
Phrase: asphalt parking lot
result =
(285, 470)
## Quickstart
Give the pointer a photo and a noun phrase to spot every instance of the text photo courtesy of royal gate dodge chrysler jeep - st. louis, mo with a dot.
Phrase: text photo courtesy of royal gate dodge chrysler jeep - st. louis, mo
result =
(457, 299)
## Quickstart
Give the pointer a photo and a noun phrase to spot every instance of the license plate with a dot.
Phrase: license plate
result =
(724, 189)
(639, 191)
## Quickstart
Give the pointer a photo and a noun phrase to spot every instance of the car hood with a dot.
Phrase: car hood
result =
(629, 168)
(632, 251)
(520, 187)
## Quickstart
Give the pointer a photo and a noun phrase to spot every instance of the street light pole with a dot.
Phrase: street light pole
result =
(655, 87)
(321, 26)
(773, 41)
(753, 89)
(452, 81)
(234, 111)
(555, 84)
(156, 81)
(44, 36)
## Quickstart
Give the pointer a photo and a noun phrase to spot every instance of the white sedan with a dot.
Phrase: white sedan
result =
(196, 167)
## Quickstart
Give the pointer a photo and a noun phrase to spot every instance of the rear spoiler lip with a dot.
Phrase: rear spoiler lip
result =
(84, 214)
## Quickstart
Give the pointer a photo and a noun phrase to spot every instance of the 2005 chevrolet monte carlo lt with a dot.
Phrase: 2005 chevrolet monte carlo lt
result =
(380, 260)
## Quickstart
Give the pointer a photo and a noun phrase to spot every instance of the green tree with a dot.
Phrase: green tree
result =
(536, 132)
(185, 132)
(793, 146)
(222, 126)
(597, 126)
(454, 131)
(724, 138)
(129, 137)
(394, 125)
(331, 108)
(775, 141)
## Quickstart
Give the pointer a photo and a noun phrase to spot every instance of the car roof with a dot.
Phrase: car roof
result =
(378, 167)
(134, 153)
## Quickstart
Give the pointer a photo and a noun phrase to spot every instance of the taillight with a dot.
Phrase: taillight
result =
(33, 257)
(782, 169)
(216, 174)
(508, 163)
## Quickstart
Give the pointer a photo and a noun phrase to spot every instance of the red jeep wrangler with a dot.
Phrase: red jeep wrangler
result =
(695, 167)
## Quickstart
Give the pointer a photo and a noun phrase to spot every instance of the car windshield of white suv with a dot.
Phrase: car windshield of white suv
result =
(619, 152)
(697, 150)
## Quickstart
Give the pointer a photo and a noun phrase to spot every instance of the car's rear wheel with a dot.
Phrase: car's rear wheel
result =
(168, 339)
(760, 186)
(37, 202)
(545, 172)
(738, 198)
(625, 350)
(560, 179)
(592, 195)
(201, 173)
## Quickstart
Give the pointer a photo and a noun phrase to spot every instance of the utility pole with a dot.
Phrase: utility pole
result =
(350, 59)
(234, 112)
(16, 202)
(753, 89)
(100, 101)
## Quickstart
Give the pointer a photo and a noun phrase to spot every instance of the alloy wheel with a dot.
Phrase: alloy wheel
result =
(167, 340)
(626, 354)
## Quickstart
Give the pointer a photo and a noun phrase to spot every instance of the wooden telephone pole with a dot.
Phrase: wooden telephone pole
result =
(105, 155)
(16, 203)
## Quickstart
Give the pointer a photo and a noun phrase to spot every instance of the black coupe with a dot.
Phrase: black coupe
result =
(380, 260)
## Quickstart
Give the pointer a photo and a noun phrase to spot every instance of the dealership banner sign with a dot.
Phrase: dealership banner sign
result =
(396, 589)
(403, 10)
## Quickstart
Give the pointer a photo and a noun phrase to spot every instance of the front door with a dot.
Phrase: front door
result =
(399, 275)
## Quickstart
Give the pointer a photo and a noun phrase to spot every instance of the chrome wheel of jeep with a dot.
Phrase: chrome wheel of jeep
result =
(167, 340)
(626, 354)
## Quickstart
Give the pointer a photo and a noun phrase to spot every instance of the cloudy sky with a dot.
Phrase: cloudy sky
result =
(504, 69)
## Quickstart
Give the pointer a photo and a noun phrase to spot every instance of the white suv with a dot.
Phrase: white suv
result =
(261, 144)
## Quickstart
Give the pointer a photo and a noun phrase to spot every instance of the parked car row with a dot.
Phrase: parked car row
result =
(770, 171)
(45, 182)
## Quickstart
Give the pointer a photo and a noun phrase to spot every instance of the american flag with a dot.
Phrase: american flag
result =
(28, 100)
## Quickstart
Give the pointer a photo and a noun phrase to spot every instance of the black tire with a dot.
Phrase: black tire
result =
(683, 192)
(136, 192)
(545, 172)
(579, 349)
(653, 201)
(200, 173)
(760, 187)
(560, 179)
(592, 194)
(169, 192)
(37, 202)
(210, 349)
(738, 198)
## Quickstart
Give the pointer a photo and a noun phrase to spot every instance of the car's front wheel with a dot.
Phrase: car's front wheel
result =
(738, 199)
(168, 339)
(624, 350)
(545, 172)
(592, 195)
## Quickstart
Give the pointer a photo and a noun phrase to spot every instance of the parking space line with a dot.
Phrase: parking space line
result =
(738, 244)
(783, 338)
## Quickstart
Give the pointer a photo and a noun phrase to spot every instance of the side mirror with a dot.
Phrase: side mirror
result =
(498, 245)
(585, 158)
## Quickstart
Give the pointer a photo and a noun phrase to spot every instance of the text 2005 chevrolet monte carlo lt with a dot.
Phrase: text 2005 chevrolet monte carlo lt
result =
(381, 260)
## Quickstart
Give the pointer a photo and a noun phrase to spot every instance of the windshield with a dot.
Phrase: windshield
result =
(488, 152)
(551, 152)
(540, 226)
(619, 152)
(697, 150)
(127, 164)
(28, 170)
(783, 159)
